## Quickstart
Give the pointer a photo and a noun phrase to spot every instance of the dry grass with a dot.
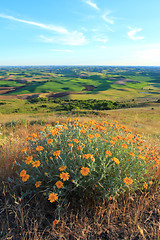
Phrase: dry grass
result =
(135, 217)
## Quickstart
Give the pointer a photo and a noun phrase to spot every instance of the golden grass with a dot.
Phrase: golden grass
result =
(135, 217)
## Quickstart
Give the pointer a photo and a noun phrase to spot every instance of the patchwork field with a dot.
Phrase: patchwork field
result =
(90, 82)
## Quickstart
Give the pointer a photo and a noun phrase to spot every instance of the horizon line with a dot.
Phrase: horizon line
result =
(98, 65)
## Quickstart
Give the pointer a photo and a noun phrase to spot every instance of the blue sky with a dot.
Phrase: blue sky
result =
(80, 32)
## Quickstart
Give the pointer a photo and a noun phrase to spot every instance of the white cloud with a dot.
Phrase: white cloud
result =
(92, 4)
(106, 18)
(74, 38)
(47, 39)
(41, 25)
(133, 32)
(62, 50)
(103, 40)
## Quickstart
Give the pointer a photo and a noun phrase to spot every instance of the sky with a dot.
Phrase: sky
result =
(80, 32)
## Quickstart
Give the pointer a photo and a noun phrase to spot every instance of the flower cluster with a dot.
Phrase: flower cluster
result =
(97, 159)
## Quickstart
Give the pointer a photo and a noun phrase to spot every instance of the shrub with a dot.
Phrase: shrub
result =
(86, 160)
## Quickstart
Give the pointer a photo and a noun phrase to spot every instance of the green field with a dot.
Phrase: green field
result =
(91, 82)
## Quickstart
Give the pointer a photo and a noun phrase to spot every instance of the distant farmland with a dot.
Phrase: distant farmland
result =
(81, 82)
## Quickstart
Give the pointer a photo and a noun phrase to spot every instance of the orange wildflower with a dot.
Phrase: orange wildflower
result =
(62, 168)
(59, 184)
(127, 180)
(132, 154)
(57, 153)
(108, 153)
(112, 142)
(116, 160)
(38, 184)
(124, 145)
(64, 176)
(29, 159)
(33, 135)
(97, 135)
(23, 173)
(70, 144)
(79, 148)
(49, 140)
(84, 171)
(87, 156)
(145, 185)
(39, 148)
(53, 197)
(53, 132)
(141, 157)
(36, 163)
(25, 178)
(75, 140)
(82, 131)
(114, 139)
(130, 136)
(93, 159)
(119, 137)
(24, 150)
(42, 129)
(55, 222)
(90, 136)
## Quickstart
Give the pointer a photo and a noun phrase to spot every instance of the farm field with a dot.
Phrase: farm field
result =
(70, 134)
(110, 83)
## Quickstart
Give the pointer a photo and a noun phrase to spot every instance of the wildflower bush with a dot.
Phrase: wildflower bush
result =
(89, 159)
